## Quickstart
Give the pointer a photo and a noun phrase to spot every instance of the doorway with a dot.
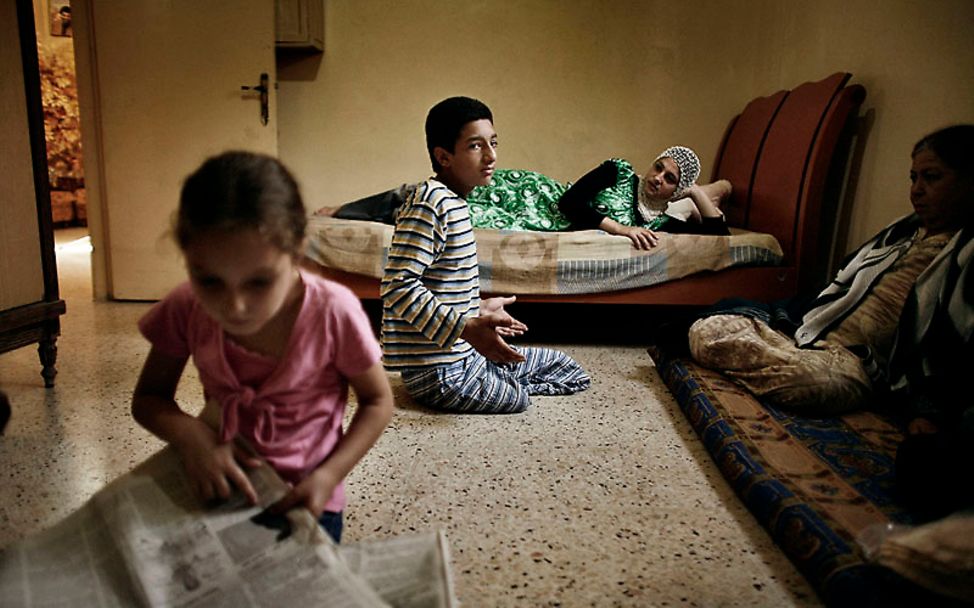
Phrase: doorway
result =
(62, 127)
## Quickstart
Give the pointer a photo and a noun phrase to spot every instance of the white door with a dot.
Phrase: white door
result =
(167, 78)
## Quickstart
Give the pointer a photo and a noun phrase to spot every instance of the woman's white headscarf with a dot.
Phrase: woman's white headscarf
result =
(689, 165)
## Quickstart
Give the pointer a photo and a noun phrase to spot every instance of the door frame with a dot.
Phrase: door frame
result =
(98, 130)
(86, 73)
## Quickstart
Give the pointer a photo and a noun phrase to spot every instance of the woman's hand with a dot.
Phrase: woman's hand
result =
(642, 238)
(921, 426)
(213, 467)
(708, 197)
(695, 193)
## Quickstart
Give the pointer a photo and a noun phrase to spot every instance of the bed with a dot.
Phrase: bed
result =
(786, 155)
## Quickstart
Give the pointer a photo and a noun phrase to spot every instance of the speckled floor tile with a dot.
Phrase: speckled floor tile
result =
(605, 498)
(574, 521)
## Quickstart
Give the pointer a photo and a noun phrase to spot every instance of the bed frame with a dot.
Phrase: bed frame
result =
(786, 155)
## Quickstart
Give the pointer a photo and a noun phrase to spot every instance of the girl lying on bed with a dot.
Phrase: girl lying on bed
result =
(611, 197)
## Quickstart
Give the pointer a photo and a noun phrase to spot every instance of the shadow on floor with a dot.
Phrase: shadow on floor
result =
(564, 323)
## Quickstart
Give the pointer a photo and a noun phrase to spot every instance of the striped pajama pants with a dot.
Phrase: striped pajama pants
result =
(476, 385)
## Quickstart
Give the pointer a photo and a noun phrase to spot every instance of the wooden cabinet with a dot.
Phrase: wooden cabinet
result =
(300, 25)
(30, 307)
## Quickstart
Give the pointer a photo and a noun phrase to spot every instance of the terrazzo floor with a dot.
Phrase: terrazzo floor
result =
(605, 498)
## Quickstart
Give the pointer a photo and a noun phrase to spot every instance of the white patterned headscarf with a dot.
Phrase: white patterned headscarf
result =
(686, 159)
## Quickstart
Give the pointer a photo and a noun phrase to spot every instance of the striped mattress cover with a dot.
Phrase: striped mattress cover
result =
(580, 262)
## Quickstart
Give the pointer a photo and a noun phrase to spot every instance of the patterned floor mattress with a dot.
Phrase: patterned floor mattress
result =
(814, 483)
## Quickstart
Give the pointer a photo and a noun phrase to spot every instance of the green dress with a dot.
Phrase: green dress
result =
(518, 199)
(618, 202)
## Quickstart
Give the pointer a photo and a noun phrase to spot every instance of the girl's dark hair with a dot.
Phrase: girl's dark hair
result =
(447, 118)
(242, 190)
(952, 145)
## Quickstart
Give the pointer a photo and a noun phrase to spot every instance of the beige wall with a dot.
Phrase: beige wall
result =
(572, 83)
(21, 279)
(916, 60)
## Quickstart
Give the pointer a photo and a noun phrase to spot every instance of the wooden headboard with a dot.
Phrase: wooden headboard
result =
(780, 153)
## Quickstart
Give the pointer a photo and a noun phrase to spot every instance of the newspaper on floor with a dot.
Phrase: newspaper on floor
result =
(146, 540)
(407, 571)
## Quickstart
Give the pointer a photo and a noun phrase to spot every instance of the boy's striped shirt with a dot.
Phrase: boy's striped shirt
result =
(431, 283)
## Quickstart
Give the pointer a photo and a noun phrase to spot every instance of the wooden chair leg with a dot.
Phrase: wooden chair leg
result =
(47, 351)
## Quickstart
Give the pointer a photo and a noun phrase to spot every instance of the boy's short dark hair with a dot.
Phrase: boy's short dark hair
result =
(447, 118)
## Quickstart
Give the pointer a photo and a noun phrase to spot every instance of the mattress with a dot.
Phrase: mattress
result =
(579, 262)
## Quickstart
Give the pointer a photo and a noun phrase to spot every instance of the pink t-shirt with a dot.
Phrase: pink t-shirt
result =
(290, 410)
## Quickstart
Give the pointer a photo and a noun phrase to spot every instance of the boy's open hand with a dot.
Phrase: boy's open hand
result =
(496, 305)
(213, 467)
(483, 333)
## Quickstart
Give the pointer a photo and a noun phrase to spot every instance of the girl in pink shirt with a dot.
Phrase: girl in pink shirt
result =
(276, 348)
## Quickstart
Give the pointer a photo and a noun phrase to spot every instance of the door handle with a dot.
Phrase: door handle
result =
(262, 88)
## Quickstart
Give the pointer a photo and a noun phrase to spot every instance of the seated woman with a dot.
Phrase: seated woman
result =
(892, 330)
(611, 197)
